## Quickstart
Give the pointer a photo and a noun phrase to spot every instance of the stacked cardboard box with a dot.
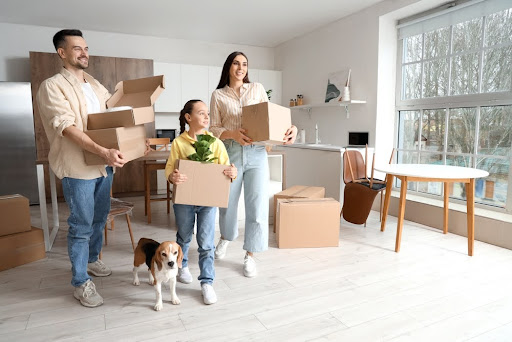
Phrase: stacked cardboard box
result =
(122, 126)
(298, 191)
(206, 184)
(19, 242)
(308, 222)
(266, 122)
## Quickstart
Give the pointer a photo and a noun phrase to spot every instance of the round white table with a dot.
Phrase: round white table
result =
(431, 173)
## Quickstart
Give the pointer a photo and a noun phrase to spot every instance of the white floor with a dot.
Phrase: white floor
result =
(360, 291)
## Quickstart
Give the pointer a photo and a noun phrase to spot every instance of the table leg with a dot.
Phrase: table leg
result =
(446, 201)
(389, 185)
(401, 211)
(470, 200)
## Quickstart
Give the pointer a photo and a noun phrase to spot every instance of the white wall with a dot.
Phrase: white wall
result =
(18, 40)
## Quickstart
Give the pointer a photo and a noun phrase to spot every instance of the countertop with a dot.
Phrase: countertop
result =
(322, 147)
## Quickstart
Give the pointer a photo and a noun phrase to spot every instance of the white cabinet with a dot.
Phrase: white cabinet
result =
(213, 80)
(272, 79)
(194, 83)
(170, 99)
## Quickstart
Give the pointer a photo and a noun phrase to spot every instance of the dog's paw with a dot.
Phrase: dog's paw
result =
(136, 282)
(159, 306)
(176, 301)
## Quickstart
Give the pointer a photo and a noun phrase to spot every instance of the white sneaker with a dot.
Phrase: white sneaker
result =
(249, 266)
(98, 269)
(209, 296)
(220, 250)
(184, 275)
(87, 295)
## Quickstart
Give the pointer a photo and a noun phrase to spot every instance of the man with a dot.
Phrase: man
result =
(64, 102)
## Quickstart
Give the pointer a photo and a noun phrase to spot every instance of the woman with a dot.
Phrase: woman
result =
(233, 92)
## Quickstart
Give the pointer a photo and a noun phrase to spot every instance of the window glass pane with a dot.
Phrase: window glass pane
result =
(495, 130)
(498, 28)
(408, 130)
(412, 81)
(432, 131)
(497, 69)
(406, 157)
(465, 74)
(458, 190)
(412, 48)
(467, 35)
(437, 43)
(461, 130)
(435, 78)
(434, 188)
(492, 189)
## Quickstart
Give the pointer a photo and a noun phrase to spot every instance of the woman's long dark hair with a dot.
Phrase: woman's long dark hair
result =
(224, 77)
(187, 108)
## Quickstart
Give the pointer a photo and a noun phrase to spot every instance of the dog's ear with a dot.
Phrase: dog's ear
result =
(157, 258)
(180, 256)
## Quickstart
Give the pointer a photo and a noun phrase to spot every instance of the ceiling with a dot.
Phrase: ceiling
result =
(264, 23)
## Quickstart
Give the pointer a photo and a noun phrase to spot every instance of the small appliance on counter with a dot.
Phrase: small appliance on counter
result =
(166, 133)
(357, 139)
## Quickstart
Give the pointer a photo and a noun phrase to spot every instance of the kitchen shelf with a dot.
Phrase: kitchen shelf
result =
(346, 104)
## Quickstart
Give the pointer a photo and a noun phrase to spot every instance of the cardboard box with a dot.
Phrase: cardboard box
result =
(21, 248)
(131, 141)
(298, 191)
(266, 122)
(14, 214)
(308, 222)
(139, 94)
(206, 184)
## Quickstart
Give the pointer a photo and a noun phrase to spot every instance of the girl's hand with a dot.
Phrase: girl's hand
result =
(240, 137)
(290, 135)
(177, 178)
(231, 172)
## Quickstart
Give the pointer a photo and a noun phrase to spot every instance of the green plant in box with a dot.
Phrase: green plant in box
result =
(202, 147)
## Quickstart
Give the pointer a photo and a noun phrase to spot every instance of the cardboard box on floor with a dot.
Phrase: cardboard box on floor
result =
(21, 248)
(14, 214)
(131, 141)
(139, 94)
(206, 184)
(266, 122)
(298, 191)
(308, 222)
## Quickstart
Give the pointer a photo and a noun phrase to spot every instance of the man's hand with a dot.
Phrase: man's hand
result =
(114, 157)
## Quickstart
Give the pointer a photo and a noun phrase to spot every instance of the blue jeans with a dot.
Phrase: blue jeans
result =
(185, 218)
(252, 164)
(89, 204)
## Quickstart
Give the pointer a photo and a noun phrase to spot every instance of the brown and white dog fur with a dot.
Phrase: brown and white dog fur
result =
(162, 260)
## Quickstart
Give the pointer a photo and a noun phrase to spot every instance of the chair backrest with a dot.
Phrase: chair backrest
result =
(354, 167)
(161, 144)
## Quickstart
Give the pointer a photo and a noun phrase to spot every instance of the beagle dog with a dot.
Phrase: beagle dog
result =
(163, 260)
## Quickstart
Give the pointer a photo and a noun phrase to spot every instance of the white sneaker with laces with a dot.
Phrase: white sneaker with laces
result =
(220, 250)
(249, 266)
(87, 295)
(184, 275)
(98, 269)
(209, 296)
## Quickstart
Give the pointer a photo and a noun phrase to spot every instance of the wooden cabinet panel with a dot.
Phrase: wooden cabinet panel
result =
(108, 71)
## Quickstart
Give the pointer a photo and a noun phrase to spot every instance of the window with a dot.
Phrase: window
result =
(454, 96)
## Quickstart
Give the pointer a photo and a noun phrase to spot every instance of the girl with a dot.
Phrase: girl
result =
(233, 92)
(195, 114)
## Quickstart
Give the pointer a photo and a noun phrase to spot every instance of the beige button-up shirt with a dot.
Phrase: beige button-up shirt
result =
(226, 106)
(62, 104)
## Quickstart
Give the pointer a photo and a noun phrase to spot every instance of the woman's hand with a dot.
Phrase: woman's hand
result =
(240, 137)
(290, 135)
(231, 172)
(176, 177)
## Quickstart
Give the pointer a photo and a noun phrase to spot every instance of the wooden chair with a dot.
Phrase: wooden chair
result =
(360, 191)
(119, 207)
(160, 144)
